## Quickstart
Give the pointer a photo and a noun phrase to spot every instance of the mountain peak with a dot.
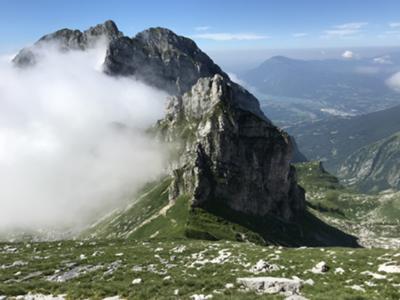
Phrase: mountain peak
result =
(163, 37)
(69, 39)
(161, 58)
(280, 59)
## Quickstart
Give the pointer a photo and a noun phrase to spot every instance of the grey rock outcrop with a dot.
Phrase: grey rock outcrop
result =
(271, 285)
(232, 155)
(262, 267)
(68, 39)
(161, 58)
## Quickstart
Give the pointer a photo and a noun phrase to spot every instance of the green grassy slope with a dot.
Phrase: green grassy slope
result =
(152, 217)
(120, 223)
(375, 219)
(189, 266)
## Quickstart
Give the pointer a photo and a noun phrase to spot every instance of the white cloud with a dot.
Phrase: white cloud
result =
(230, 36)
(72, 141)
(394, 24)
(394, 82)
(348, 54)
(354, 26)
(236, 79)
(202, 28)
(345, 30)
(299, 34)
(383, 60)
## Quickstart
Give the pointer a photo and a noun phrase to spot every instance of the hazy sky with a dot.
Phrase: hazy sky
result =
(215, 25)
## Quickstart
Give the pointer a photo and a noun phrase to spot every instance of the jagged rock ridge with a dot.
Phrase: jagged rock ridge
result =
(161, 58)
(68, 39)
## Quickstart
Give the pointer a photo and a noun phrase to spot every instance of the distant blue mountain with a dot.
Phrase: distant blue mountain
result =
(351, 85)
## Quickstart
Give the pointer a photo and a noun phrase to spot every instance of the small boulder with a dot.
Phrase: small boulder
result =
(296, 297)
(200, 297)
(389, 268)
(339, 271)
(262, 266)
(229, 286)
(320, 268)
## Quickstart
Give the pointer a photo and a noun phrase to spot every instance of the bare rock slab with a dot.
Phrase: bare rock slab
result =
(271, 285)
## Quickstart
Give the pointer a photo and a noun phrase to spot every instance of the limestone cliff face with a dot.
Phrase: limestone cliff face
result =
(231, 157)
(161, 58)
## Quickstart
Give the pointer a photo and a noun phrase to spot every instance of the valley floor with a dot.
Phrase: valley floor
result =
(182, 269)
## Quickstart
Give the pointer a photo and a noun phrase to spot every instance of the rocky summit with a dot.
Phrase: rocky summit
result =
(68, 39)
(161, 58)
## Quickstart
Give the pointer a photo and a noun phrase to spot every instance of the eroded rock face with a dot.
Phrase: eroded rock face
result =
(68, 39)
(233, 156)
(161, 58)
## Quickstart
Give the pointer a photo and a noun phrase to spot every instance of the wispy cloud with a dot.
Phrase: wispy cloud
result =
(348, 54)
(390, 34)
(353, 26)
(202, 28)
(223, 36)
(383, 60)
(393, 32)
(394, 24)
(345, 30)
(299, 34)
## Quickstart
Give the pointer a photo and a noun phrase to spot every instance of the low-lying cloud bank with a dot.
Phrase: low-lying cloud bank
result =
(72, 142)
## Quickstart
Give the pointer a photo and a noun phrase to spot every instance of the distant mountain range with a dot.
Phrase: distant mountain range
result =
(293, 90)
(363, 150)
(334, 139)
(374, 167)
(341, 111)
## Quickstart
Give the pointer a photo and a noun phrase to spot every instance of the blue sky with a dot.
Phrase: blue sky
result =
(217, 24)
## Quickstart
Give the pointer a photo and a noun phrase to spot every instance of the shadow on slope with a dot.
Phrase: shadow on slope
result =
(305, 230)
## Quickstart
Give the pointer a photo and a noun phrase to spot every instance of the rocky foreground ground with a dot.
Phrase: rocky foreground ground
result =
(185, 269)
